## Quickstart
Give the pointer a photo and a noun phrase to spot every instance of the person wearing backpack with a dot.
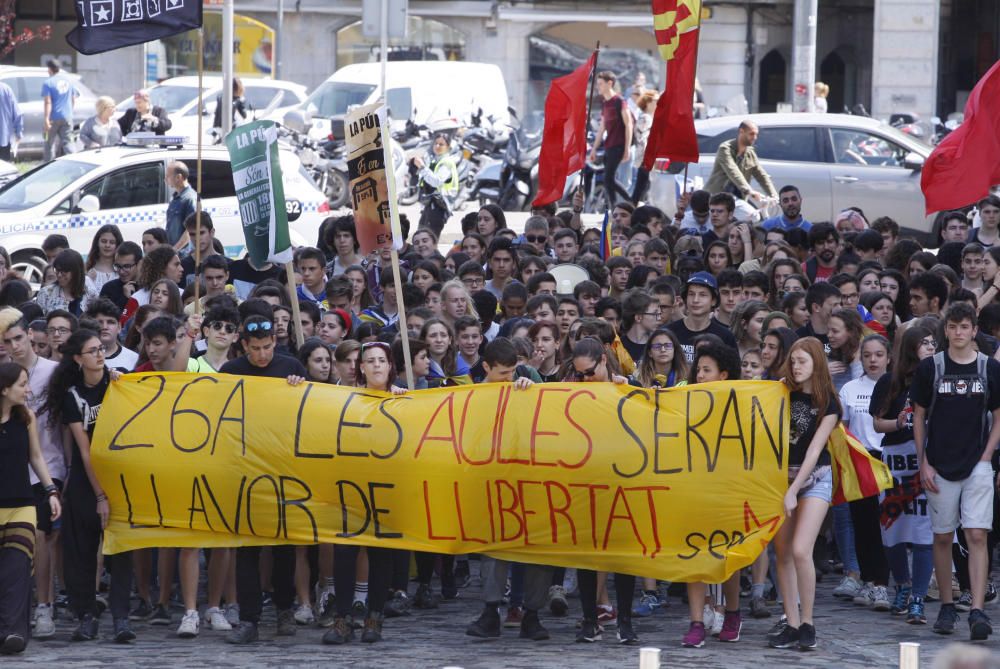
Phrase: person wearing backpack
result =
(956, 428)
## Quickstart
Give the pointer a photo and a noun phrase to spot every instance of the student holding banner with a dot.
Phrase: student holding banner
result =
(815, 412)
(258, 341)
(376, 371)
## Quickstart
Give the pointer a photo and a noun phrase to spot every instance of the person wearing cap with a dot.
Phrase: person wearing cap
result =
(257, 338)
(695, 219)
(700, 295)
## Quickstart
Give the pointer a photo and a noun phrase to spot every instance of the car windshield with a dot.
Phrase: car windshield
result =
(333, 98)
(40, 184)
(171, 98)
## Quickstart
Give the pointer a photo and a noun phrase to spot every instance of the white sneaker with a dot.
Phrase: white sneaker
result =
(216, 620)
(864, 597)
(45, 627)
(708, 617)
(717, 621)
(848, 588)
(188, 628)
(304, 615)
(880, 598)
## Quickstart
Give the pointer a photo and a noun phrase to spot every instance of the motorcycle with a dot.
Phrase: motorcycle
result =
(509, 182)
(325, 162)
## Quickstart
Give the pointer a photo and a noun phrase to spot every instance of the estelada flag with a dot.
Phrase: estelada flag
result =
(564, 138)
(856, 474)
(104, 25)
(672, 135)
(966, 163)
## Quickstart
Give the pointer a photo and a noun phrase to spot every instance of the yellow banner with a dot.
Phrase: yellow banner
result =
(680, 484)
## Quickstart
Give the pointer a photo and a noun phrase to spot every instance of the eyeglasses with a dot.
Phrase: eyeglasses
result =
(474, 281)
(586, 374)
(58, 331)
(228, 327)
(535, 239)
(122, 267)
(665, 346)
(657, 314)
(97, 350)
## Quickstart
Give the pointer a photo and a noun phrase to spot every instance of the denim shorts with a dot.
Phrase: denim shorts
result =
(818, 485)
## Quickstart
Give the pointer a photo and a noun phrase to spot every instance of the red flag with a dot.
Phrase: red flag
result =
(966, 163)
(564, 139)
(672, 135)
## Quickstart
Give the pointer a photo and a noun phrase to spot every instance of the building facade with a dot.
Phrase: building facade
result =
(890, 56)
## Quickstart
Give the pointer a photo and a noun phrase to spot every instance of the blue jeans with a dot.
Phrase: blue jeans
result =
(843, 532)
(923, 566)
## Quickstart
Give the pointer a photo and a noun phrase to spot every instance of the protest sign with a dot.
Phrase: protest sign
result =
(679, 484)
(369, 190)
(253, 150)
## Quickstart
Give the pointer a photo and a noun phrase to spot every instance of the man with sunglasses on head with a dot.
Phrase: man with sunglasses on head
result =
(257, 337)
(126, 265)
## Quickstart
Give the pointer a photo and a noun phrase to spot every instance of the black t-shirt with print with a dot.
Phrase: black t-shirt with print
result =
(82, 404)
(956, 431)
(280, 367)
(805, 421)
(807, 331)
(686, 336)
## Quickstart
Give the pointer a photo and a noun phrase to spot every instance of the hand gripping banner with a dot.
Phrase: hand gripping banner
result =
(680, 484)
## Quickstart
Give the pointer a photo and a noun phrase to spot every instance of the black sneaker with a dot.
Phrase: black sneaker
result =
(787, 638)
(141, 611)
(86, 630)
(626, 635)
(424, 598)
(123, 631)
(341, 632)
(161, 616)
(589, 632)
(807, 636)
(487, 625)
(244, 633)
(398, 605)
(531, 627)
(286, 623)
(979, 625)
(778, 627)
(991, 593)
(947, 617)
(12, 643)
(462, 576)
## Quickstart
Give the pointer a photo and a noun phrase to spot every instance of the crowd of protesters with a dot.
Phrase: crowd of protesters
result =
(861, 323)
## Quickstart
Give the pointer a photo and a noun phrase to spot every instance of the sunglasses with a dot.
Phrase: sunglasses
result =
(535, 239)
(376, 344)
(586, 374)
(263, 327)
(229, 327)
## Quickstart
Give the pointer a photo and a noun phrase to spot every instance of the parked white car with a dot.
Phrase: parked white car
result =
(27, 85)
(76, 194)
(179, 97)
(837, 161)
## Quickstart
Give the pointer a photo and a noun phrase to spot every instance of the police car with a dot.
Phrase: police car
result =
(76, 194)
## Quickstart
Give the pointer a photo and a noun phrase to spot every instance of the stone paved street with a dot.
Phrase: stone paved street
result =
(849, 636)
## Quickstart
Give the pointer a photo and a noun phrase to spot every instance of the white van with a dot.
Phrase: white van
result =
(423, 91)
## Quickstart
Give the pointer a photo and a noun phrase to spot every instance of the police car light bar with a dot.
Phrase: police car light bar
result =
(152, 139)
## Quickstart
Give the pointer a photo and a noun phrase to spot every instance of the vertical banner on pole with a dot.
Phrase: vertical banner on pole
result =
(366, 168)
(253, 149)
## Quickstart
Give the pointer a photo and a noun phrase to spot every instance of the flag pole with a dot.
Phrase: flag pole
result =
(590, 105)
(197, 208)
(294, 299)
(390, 179)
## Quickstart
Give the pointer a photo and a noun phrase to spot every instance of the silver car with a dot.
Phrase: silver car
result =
(27, 85)
(837, 161)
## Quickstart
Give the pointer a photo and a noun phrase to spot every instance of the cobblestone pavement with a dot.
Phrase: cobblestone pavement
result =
(849, 636)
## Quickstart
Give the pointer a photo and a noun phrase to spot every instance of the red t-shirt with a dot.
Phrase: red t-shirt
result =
(614, 126)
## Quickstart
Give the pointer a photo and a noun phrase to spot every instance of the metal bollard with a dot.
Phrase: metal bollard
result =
(649, 658)
(909, 655)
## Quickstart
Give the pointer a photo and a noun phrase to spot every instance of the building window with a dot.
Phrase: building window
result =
(426, 39)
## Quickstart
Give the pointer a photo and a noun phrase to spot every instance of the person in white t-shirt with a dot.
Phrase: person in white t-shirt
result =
(106, 313)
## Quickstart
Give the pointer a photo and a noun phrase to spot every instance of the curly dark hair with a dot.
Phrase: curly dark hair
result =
(154, 266)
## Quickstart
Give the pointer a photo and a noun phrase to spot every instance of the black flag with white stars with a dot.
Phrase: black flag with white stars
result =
(103, 25)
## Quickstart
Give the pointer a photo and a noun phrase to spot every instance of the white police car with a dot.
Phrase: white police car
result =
(76, 194)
